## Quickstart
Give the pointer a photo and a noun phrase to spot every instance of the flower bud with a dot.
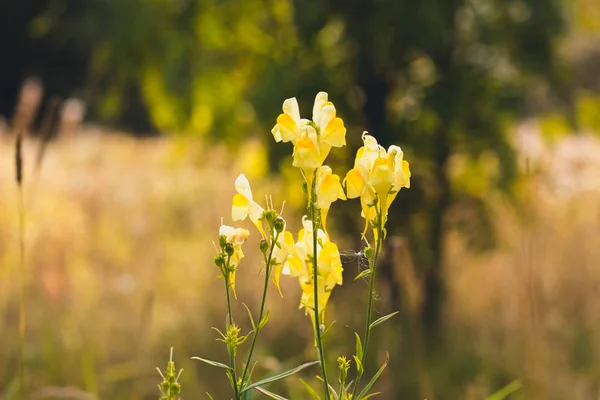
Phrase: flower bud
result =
(219, 262)
(264, 246)
(222, 241)
(229, 249)
(279, 224)
(368, 252)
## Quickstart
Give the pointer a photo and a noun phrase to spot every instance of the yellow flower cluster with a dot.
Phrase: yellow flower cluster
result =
(313, 140)
(300, 265)
(377, 177)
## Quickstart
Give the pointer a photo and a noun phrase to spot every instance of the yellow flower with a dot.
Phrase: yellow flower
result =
(329, 268)
(244, 206)
(235, 237)
(312, 139)
(283, 249)
(328, 189)
(377, 177)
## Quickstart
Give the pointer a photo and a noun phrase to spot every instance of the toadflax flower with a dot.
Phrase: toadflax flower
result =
(231, 241)
(328, 189)
(329, 268)
(314, 139)
(244, 205)
(376, 178)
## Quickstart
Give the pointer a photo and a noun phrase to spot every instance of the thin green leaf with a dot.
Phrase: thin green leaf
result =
(270, 394)
(310, 390)
(506, 390)
(263, 320)
(247, 396)
(375, 377)
(383, 319)
(279, 376)
(366, 272)
(250, 316)
(209, 396)
(249, 378)
(359, 367)
(348, 385)
(213, 363)
(359, 348)
(371, 395)
(333, 392)
(326, 331)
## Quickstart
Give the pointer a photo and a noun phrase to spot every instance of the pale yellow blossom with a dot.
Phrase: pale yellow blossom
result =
(243, 204)
(377, 177)
(235, 237)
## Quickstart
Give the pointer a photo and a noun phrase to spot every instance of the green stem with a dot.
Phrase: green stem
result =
(231, 356)
(321, 352)
(262, 306)
(373, 269)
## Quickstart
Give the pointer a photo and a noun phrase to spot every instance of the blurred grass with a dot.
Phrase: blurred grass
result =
(119, 256)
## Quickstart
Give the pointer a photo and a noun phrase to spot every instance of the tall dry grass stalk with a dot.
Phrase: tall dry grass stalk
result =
(21, 269)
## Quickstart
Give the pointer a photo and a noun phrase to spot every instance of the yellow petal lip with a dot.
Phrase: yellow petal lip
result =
(355, 183)
(335, 133)
(240, 207)
(306, 155)
(286, 129)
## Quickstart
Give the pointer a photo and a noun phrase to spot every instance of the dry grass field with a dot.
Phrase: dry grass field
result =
(118, 247)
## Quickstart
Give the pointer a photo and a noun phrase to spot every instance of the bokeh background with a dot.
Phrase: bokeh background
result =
(139, 115)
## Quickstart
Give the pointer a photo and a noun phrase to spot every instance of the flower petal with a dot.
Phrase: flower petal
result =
(335, 133)
(240, 207)
(320, 102)
(355, 184)
(286, 129)
(243, 186)
(290, 107)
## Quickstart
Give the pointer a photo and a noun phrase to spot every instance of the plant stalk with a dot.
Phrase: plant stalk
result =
(231, 356)
(373, 269)
(262, 305)
(320, 350)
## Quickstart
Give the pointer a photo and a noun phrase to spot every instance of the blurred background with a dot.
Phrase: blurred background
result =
(138, 116)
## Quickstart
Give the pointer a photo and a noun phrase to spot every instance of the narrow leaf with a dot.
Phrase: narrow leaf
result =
(370, 395)
(209, 396)
(326, 331)
(279, 376)
(366, 272)
(375, 377)
(331, 389)
(250, 316)
(263, 321)
(270, 394)
(213, 363)
(359, 367)
(359, 348)
(506, 390)
(249, 378)
(310, 390)
(383, 319)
